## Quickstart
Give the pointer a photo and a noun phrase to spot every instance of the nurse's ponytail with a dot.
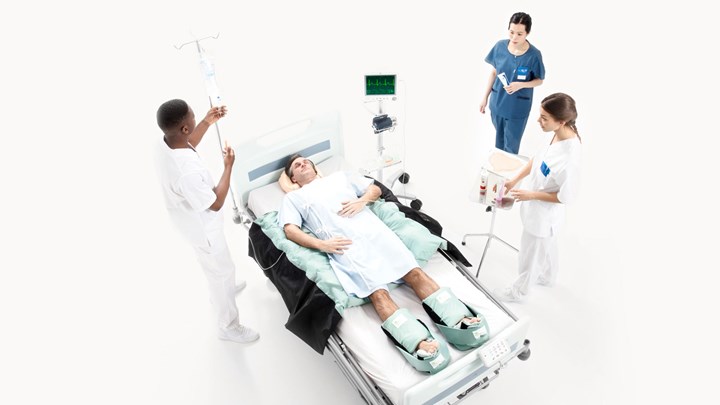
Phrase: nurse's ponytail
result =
(572, 126)
(562, 107)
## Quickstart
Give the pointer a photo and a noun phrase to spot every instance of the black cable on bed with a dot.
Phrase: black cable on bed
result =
(254, 256)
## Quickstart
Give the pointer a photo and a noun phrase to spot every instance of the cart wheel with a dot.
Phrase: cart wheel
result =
(416, 204)
(404, 178)
(524, 355)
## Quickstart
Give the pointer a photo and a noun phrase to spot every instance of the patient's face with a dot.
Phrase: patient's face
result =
(302, 170)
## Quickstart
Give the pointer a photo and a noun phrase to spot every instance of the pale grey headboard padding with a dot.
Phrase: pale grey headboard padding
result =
(260, 161)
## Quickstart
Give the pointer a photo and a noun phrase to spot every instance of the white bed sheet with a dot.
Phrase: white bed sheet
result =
(378, 357)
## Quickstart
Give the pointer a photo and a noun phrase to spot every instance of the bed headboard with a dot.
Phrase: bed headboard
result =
(260, 161)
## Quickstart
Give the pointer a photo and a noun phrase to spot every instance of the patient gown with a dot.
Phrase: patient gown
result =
(376, 256)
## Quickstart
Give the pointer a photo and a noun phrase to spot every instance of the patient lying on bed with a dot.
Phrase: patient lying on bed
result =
(367, 256)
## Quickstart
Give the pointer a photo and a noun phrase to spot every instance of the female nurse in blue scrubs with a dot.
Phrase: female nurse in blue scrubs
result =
(517, 68)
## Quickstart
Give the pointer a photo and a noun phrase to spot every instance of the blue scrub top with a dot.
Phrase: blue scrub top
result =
(516, 105)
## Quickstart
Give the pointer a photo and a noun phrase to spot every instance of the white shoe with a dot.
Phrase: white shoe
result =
(506, 294)
(241, 334)
(543, 281)
(239, 286)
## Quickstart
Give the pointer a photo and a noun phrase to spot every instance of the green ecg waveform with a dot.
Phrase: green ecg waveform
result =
(380, 85)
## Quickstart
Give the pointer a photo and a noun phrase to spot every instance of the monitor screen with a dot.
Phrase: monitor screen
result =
(380, 85)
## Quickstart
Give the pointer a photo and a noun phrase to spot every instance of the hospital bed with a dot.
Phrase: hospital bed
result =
(349, 331)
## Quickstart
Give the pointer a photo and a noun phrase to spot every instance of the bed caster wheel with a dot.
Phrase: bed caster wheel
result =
(462, 243)
(416, 204)
(524, 355)
(485, 386)
(404, 178)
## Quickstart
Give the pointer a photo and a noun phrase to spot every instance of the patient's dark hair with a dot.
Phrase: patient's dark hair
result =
(521, 18)
(291, 159)
(171, 114)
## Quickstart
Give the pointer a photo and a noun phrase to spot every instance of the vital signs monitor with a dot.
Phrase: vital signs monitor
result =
(380, 87)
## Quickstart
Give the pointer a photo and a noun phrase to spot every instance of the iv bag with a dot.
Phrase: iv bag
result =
(208, 72)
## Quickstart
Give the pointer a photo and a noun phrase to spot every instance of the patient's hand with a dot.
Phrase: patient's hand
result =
(350, 208)
(336, 245)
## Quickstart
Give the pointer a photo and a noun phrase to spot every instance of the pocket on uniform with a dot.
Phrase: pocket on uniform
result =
(524, 97)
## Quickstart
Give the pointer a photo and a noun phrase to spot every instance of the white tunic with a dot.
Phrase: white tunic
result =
(560, 173)
(187, 188)
(376, 256)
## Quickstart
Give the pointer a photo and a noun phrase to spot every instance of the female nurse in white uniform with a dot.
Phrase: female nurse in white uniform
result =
(552, 182)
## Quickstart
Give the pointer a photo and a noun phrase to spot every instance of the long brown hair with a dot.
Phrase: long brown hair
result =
(562, 108)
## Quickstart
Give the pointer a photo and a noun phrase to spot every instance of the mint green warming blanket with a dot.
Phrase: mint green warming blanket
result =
(316, 264)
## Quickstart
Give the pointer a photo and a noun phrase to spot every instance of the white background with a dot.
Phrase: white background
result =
(97, 292)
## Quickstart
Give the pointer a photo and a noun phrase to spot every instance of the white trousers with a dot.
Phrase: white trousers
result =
(219, 269)
(538, 262)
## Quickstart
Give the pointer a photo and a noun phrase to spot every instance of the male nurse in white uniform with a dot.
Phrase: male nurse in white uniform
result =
(195, 206)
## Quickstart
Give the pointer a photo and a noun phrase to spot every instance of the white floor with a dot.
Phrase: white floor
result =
(154, 342)
(101, 302)
(133, 325)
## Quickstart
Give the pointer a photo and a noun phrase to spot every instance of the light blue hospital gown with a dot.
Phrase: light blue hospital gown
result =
(376, 256)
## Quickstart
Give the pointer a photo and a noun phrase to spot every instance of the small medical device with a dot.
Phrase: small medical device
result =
(500, 192)
(503, 78)
(495, 184)
(383, 122)
(483, 182)
(380, 87)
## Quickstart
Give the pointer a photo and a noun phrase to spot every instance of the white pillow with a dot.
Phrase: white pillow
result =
(287, 185)
(334, 164)
(265, 199)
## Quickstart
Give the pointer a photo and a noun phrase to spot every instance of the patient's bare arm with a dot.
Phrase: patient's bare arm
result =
(350, 208)
(336, 245)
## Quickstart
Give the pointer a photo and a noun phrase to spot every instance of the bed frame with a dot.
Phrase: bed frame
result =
(260, 162)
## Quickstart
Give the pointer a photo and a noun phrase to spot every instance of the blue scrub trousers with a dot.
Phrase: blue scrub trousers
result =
(508, 132)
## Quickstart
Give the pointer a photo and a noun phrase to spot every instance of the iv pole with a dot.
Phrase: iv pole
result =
(238, 217)
(401, 176)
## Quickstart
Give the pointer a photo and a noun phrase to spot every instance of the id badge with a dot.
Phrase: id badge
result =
(523, 72)
(544, 169)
